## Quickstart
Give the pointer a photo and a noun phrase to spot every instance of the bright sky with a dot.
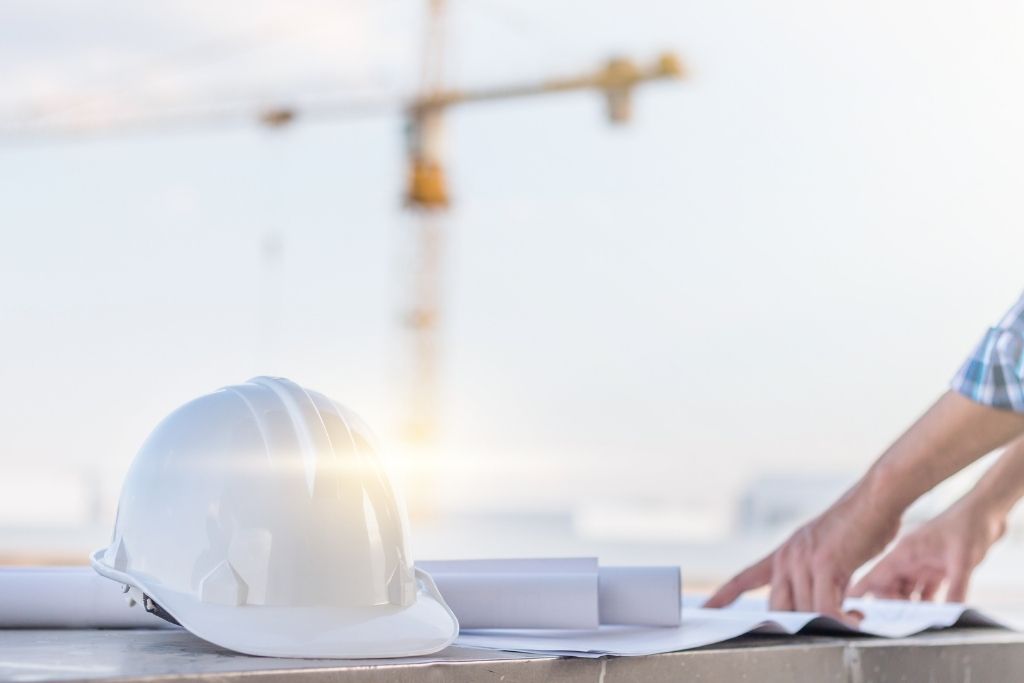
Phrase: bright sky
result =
(774, 268)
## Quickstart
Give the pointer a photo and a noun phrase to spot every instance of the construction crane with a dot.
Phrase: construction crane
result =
(426, 194)
(428, 197)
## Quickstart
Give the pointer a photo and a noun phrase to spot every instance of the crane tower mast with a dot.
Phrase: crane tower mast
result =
(427, 191)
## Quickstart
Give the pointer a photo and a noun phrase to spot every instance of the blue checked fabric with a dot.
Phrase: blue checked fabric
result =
(993, 375)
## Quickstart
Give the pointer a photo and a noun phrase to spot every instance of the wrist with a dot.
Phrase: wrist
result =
(872, 510)
(882, 492)
(999, 493)
(986, 514)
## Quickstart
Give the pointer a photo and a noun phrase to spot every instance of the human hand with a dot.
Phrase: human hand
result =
(811, 571)
(941, 552)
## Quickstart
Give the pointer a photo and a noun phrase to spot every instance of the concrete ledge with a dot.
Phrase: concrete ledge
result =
(764, 660)
(958, 655)
(156, 656)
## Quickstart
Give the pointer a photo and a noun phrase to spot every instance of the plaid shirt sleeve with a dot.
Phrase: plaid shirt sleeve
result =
(993, 375)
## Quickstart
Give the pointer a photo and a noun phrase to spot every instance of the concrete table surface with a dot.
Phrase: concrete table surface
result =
(173, 655)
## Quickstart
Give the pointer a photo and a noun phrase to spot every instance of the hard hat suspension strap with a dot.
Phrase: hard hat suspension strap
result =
(153, 608)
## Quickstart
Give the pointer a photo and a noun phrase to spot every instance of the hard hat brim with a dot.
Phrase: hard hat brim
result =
(424, 627)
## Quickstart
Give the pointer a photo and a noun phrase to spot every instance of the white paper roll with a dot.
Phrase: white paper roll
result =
(484, 594)
(519, 593)
(644, 596)
(557, 593)
(492, 600)
(67, 597)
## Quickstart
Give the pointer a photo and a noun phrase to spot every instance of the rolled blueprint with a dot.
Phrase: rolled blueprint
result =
(484, 594)
(645, 596)
(556, 593)
(67, 597)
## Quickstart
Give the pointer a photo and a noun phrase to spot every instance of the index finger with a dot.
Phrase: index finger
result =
(754, 576)
(828, 599)
(958, 583)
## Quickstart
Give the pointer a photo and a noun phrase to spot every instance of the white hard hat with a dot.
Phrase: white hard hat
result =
(260, 518)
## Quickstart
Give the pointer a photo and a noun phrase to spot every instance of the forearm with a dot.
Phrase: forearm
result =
(1001, 487)
(812, 569)
(952, 434)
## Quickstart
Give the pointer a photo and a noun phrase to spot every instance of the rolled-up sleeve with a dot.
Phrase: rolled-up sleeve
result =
(993, 374)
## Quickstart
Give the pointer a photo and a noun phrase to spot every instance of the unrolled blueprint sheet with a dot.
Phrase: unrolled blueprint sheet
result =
(884, 618)
(700, 627)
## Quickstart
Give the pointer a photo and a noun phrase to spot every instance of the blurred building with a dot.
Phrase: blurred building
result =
(782, 501)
